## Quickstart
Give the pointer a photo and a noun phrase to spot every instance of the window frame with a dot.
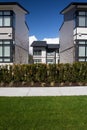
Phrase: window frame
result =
(37, 52)
(4, 57)
(76, 18)
(50, 52)
(37, 61)
(82, 45)
(3, 16)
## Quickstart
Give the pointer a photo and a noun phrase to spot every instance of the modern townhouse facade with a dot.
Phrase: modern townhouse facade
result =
(73, 33)
(45, 53)
(14, 39)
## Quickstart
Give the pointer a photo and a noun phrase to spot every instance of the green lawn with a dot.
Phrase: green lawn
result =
(43, 113)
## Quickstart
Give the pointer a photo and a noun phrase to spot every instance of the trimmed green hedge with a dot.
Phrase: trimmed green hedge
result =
(76, 72)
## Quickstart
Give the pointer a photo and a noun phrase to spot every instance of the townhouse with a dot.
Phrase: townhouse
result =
(73, 33)
(14, 39)
(45, 53)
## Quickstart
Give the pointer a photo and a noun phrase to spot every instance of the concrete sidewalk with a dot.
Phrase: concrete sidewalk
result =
(44, 91)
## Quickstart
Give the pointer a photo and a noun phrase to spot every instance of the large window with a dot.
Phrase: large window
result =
(37, 61)
(50, 61)
(6, 18)
(6, 51)
(50, 52)
(82, 50)
(81, 19)
(37, 52)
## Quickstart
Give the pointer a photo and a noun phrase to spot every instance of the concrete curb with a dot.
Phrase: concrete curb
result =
(43, 91)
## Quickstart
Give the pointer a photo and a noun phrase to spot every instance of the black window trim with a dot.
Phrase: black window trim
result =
(76, 18)
(11, 51)
(11, 18)
(84, 45)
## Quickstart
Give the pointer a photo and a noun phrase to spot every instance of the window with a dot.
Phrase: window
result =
(81, 18)
(50, 53)
(81, 21)
(82, 50)
(6, 53)
(6, 18)
(37, 61)
(50, 61)
(37, 52)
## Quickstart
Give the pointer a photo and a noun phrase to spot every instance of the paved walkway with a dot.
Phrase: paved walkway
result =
(45, 91)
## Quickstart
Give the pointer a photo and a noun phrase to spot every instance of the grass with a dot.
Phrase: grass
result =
(43, 113)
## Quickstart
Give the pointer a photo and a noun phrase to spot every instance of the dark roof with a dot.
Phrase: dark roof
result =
(53, 46)
(14, 3)
(73, 4)
(39, 44)
(44, 44)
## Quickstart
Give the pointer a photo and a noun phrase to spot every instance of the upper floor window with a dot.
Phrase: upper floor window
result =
(37, 52)
(50, 52)
(81, 19)
(6, 18)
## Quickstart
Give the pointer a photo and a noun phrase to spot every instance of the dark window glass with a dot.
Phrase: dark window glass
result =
(37, 52)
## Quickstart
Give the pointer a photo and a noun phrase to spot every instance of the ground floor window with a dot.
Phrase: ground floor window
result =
(82, 51)
(6, 53)
(37, 61)
(50, 61)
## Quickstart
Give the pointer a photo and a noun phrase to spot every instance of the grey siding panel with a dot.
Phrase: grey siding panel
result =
(67, 56)
(66, 38)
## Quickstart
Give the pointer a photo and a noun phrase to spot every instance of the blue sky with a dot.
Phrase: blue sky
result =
(44, 19)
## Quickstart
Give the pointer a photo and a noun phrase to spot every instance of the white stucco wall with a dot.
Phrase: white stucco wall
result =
(43, 56)
(6, 33)
(80, 33)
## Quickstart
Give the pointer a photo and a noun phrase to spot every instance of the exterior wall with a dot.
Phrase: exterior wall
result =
(80, 33)
(57, 57)
(66, 39)
(68, 56)
(21, 38)
(42, 57)
(5, 33)
(21, 35)
(20, 55)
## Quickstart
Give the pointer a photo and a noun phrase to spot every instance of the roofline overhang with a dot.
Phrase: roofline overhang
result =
(72, 5)
(14, 3)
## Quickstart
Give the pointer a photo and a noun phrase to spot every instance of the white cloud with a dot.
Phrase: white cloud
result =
(31, 39)
(52, 40)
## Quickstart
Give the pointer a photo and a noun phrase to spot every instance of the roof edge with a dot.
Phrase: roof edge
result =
(14, 3)
(72, 4)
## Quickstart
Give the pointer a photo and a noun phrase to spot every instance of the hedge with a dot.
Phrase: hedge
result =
(76, 72)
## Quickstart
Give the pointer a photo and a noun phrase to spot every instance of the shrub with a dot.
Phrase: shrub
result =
(42, 73)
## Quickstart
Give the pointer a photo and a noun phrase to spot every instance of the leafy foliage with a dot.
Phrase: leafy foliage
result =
(76, 72)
